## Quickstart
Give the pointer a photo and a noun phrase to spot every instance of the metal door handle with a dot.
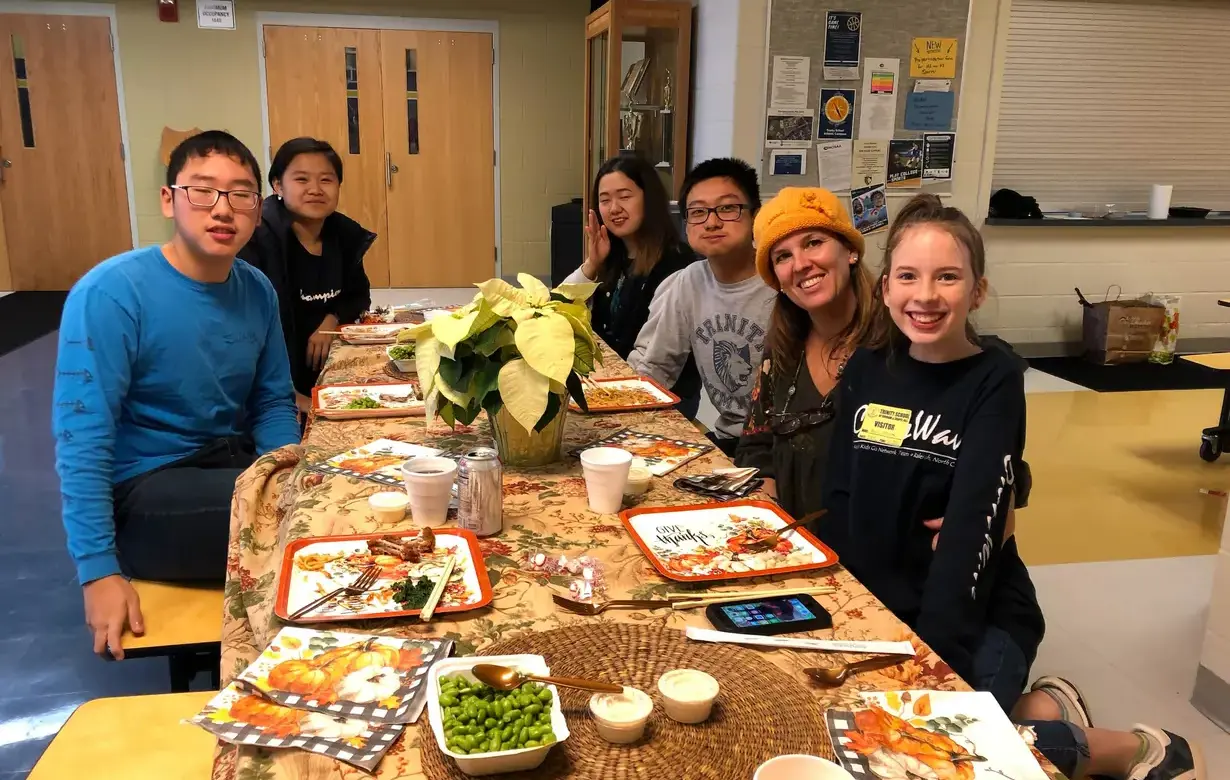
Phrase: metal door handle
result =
(4, 164)
(389, 170)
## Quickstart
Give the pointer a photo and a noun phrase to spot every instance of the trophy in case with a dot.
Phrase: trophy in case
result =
(629, 130)
(668, 120)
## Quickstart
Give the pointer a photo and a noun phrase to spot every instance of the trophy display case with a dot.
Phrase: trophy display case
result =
(638, 55)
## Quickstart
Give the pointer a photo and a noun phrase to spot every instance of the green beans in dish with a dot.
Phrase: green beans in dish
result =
(479, 719)
(402, 352)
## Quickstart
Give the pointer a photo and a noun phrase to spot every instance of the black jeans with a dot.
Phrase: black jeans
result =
(172, 524)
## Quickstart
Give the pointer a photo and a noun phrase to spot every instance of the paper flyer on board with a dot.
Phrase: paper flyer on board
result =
(878, 116)
(843, 45)
(869, 208)
(836, 113)
(929, 111)
(933, 58)
(905, 163)
(833, 160)
(870, 160)
(789, 128)
(790, 78)
(938, 149)
(933, 85)
(788, 162)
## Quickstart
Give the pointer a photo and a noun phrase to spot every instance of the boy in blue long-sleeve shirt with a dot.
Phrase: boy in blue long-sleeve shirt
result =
(171, 375)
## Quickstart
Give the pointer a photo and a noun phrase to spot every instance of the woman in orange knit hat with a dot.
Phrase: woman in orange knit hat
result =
(809, 251)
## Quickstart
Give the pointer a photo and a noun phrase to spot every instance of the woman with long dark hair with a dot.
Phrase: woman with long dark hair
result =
(312, 253)
(632, 246)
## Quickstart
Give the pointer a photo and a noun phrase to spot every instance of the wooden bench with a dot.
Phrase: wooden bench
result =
(183, 623)
(131, 738)
(1215, 440)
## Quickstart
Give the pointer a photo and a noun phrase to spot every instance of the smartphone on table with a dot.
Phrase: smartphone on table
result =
(768, 616)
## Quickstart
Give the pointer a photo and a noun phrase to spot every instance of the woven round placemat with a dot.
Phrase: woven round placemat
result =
(761, 711)
(401, 376)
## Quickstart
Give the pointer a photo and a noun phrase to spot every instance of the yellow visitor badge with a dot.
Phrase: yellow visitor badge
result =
(885, 424)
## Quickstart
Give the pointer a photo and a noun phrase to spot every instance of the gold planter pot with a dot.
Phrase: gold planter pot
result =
(519, 447)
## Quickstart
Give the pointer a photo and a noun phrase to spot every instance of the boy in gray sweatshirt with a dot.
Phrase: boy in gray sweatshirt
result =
(717, 310)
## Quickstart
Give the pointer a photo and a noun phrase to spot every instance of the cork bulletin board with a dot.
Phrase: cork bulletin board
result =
(889, 27)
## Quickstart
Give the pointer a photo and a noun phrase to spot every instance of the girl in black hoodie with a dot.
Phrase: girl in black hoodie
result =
(632, 245)
(312, 254)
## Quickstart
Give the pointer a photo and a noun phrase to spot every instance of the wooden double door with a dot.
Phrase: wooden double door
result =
(410, 113)
(63, 185)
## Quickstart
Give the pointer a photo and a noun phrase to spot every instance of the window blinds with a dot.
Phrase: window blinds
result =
(1102, 99)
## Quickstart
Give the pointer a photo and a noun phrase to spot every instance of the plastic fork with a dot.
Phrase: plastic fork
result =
(361, 585)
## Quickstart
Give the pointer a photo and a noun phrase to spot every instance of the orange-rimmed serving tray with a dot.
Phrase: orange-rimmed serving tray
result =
(667, 399)
(693, 543)
(457, 539)
(417, 409)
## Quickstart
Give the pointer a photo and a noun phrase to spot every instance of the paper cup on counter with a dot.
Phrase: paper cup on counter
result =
(606, 476)
(1159, 201)
(429, 484)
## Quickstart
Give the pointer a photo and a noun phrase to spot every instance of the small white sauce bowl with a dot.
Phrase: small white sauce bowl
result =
(639, 479)
(620, 718)
(688, 694)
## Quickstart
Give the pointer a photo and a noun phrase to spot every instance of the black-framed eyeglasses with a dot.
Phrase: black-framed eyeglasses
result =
(207, 197)
(790, 423)
(727, 212)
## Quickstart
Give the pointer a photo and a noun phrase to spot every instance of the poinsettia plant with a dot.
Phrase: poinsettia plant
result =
(520, 348)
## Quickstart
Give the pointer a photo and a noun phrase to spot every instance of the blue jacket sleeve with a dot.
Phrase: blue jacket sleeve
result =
(271, 405)
(97, 346)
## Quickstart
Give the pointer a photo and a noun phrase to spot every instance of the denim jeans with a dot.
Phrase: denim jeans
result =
(1001, 669)
(173, 524)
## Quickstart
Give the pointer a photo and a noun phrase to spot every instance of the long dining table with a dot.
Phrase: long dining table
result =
(278, 500)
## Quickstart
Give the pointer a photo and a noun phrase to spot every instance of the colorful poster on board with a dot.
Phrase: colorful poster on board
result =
(836, 113)
(938, 151)
(869, 208)
(905, 158)
(933, 58)
(843, 45)
(789, 128)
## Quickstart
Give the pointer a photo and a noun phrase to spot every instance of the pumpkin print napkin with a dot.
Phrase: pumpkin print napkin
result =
(239, 717)
(379, 679)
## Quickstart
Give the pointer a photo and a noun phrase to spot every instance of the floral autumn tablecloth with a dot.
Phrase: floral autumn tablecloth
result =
(277, 500)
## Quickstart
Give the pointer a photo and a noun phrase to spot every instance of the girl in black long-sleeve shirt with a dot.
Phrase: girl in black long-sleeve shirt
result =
(931, 425)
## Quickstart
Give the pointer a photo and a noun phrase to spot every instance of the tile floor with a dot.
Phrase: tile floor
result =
(1128, 632)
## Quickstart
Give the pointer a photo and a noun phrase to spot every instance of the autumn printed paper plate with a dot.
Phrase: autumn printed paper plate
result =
(963, 735)
(373, 333)
(661, 454)
(239, 717)
(354, 402)
(318, 565)
(712, 541)
(377, 678)
(626, 394)
(380, 461)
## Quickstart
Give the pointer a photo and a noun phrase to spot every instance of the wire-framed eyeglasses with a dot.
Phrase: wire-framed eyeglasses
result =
(207, 197)
(727, 212)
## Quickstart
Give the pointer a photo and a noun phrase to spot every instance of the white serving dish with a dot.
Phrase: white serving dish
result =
(508, 760)
(405, 366)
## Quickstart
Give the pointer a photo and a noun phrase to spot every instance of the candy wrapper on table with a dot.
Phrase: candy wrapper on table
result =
(581, 574)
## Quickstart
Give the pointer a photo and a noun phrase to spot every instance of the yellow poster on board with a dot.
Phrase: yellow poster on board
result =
(933, 58)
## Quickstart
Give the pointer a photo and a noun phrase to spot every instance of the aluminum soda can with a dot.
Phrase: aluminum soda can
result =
(480, 492)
